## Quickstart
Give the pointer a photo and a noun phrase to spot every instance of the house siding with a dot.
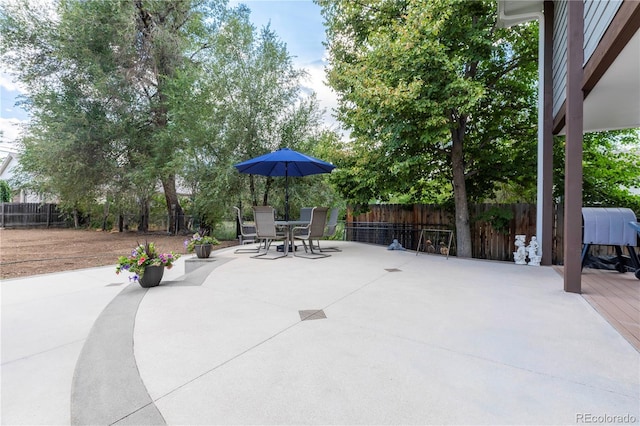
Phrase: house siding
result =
(598, 15)
(559, 63)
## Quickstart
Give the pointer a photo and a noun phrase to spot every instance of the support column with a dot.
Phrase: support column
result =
(573, 151)
(547, 139)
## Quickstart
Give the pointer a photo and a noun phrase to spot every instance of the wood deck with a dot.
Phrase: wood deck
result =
(616, 297)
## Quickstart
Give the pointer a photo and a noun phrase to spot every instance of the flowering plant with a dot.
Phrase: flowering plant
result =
(199, 239)
(142, 256)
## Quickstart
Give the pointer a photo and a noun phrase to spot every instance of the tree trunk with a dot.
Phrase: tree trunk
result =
(463, 231)
(164, 65)
(143, 225)
(267, 187)
(105, 216)
(252, 190)
(176, 214)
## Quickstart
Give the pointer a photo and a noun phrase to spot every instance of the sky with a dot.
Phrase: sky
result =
(298, 23)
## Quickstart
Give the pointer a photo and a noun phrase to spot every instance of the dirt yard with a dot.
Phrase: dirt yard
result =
(25, 252)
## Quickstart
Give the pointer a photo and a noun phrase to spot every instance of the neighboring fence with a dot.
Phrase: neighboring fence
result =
(384, 223)
(383, 233)
(22, 215)
(30, 215)
(404, 222)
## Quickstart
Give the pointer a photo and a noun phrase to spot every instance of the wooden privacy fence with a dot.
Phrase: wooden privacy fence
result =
(23, 215)
(383, 223)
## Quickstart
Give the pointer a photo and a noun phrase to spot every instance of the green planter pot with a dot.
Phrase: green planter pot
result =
(152, 276)
(203, 251)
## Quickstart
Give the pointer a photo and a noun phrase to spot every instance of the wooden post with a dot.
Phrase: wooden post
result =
(573, 152)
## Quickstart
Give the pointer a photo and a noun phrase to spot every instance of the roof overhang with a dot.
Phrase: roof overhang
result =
(512, 12)
(6, 161)
(614, 102)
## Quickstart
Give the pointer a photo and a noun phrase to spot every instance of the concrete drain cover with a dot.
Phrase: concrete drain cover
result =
(392, 270)
(312, 315)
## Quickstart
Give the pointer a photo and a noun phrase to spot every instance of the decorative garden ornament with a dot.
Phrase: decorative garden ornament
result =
(532, 252)
(520, 255)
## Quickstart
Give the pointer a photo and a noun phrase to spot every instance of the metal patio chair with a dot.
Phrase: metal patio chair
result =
(267, 232)
(305, 214)
(247, 234)
(312, 231)
(330, 230)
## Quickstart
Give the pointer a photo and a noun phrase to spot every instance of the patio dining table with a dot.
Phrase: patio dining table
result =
(288, 225)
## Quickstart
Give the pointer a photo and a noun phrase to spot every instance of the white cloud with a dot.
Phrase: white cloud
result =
(10, 128)
(327, 98)
(6, 81)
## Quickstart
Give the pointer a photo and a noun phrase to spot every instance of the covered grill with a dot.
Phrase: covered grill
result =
(609, 226)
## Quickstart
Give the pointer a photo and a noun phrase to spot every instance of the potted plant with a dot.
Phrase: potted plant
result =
(146, 264)
(201, 244)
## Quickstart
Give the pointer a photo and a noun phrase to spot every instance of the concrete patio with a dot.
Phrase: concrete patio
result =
(366, 336)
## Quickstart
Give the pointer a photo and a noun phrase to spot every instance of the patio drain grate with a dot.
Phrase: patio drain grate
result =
(312, 315)
(393, 270)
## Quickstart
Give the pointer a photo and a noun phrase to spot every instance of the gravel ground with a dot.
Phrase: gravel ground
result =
(25, 252)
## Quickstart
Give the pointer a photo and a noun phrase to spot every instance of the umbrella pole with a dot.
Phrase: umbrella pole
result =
(286, 192)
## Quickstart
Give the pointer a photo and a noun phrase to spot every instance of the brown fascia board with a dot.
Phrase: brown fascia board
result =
(559, 119)
(622, 28)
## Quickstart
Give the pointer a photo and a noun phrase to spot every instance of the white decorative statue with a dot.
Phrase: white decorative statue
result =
(532, 249)
(520, 255)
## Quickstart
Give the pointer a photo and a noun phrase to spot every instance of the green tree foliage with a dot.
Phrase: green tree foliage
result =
(436, 97)
(611, 167)
(5, 192)
(98, 73)
(252, 104)
(610, 172)
(64, 151)
(126, 95)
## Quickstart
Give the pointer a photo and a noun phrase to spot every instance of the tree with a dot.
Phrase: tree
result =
(611, 167)
(132, 94)
(5, 192)
(64, 151)
(435, 96)
(99, 74)
(250, 102)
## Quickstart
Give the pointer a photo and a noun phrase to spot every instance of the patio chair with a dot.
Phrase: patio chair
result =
(314, 230)
(247, 234)
(330, 230)
(266, 231)
(305, 214)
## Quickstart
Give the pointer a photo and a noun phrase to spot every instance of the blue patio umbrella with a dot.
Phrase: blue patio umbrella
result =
(284, 162)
